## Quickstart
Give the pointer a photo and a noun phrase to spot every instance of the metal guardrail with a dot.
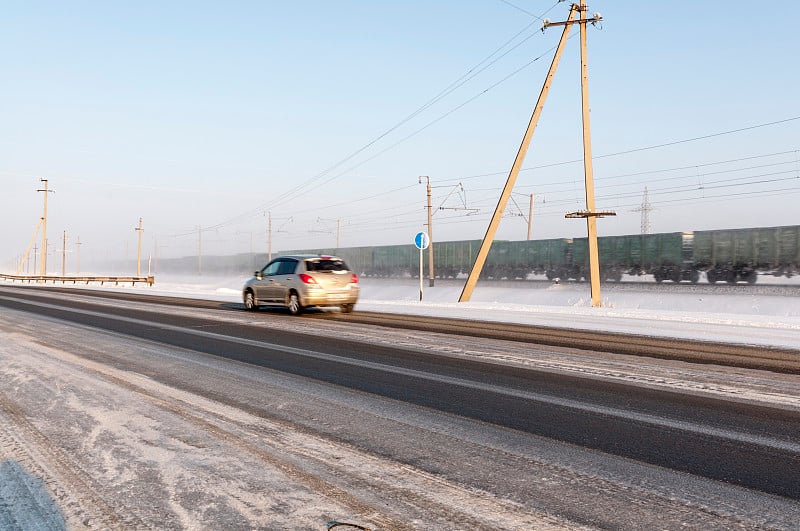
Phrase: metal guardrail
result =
(150, 280)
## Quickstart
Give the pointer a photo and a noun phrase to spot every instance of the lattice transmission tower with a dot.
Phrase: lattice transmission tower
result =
(645, 210)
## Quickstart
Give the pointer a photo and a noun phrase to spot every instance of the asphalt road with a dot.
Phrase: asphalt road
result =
(749, 444)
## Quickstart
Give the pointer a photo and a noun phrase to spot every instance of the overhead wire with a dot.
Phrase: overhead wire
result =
(636, 150)
(469, 75)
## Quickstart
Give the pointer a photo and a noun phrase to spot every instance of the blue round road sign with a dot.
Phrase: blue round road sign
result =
(422, 240)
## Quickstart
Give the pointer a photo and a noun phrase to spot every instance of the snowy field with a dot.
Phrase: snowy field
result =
(763, 314)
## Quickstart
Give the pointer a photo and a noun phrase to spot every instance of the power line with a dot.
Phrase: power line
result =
(635, 150)
(469, 75)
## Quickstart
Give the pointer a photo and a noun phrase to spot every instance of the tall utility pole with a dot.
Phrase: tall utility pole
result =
(486, 244)
(590, 213)
(78, 245)
(43, 271)
(140, 230)
(530, 218)
(431, 275)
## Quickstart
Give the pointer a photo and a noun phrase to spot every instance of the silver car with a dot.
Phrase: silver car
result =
(300, 281)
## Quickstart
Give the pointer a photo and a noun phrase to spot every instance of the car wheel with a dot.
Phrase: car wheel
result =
(347, 308)
(249, 301)
(293, 305)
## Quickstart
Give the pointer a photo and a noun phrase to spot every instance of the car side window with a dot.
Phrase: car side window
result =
(287, 267)
(271, 269)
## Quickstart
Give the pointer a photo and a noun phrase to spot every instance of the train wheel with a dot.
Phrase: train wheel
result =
(695, 276)
(730, 277)
(711, 276)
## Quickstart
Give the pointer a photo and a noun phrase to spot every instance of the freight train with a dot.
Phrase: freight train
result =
(731, 256)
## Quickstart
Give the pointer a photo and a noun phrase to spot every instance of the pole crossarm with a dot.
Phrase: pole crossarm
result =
(593, 20)
(597, 17)
(590, 214)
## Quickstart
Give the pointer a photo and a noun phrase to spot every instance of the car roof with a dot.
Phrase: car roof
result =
(310, 256)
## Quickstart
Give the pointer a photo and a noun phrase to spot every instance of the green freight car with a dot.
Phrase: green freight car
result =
(451, 259)
(724, 255)
(742, 254)
(551, 258)
(506, 259)
(666, 256)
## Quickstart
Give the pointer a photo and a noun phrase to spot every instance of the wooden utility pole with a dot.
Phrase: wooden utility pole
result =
(590, 213)
(78, 245)
(43, 271)
(530, 218)
(431, 275)
(140, 230)
(591, 221)
(486, 244)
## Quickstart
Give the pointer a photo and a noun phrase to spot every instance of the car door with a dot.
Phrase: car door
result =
(284, 279)
(265, 287)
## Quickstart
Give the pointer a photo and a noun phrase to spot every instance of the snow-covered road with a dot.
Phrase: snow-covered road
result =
(101, 431)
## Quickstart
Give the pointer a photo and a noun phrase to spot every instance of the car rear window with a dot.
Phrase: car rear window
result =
(326, 265)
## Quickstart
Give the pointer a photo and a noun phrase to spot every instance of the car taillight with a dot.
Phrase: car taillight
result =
(307, 279)
(354, 279)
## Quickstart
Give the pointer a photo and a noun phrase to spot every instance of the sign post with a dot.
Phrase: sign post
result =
(422, 241)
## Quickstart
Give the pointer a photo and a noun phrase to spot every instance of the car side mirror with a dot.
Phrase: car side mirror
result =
(258, 275)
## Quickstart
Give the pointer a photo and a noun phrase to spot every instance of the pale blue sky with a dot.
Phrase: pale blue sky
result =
(210, 114)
